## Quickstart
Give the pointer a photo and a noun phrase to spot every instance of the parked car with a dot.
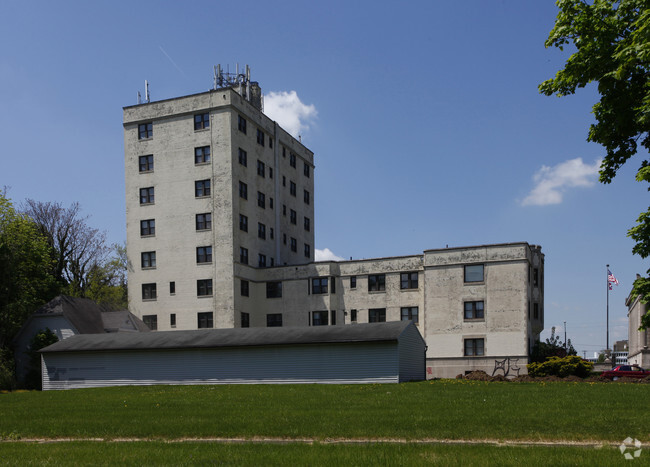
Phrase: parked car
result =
(629, 371)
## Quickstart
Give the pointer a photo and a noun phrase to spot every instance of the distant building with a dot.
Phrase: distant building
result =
(638, 352)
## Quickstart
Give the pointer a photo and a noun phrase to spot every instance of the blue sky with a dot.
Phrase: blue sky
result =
(425, 119)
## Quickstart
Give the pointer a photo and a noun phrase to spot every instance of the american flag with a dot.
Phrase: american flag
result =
(611, 279)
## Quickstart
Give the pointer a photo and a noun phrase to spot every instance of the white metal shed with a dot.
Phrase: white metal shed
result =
(363, 353)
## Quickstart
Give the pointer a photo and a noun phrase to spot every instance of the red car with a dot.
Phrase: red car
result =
(629, 371)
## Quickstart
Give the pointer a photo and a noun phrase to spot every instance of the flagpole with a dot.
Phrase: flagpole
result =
(607, 342)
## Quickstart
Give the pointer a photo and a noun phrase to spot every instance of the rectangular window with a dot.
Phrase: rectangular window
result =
(274, 289)
(201, 188)
(294, 244)
(243, 255)
(270, 172)
(261, 231)
(241, 124)
(409, 313)
(271, 233)
(292, 188)
(147, 195)
(274, 320)
(261, 168)
(148, 259)
(146, 163)
(260, 137)
(284, 239)
(245, 320)
(319, 318)
(333, 285)
(377, 315)
(474, 273)
(535, 277)
(261, 200)
(204, 287)
(270, 202)
(307, 251)
(474, 347)
(261, 260)
(149, 292)
(243, 190)
(293, 216)
(306, 196)
(474, 310)
(204, 221)
(204, 254)
(409, 280)
(205, 320)
(353, 282)
(307, 224)
(151, 321)
(201, 121)
(284, 181)
(292, 160)
(376, 282)
(536, 310)
(319, 285)
(243, 223)
(202, 155)
(353, 316)
(244, 288)
(333, 315)
(148, 227)
(145, 130)
(172, 320)
(284, 209)
(243, 157)
(306, 170)
(172, 288)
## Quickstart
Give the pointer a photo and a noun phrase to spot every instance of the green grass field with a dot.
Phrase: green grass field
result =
(560, 413)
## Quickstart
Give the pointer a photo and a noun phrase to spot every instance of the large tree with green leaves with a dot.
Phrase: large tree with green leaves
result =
(612, 49)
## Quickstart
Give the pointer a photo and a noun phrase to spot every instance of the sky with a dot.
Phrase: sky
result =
(425, 119)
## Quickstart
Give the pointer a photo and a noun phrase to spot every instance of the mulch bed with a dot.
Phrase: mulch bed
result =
(480, 375)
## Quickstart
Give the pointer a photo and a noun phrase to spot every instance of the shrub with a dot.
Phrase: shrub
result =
(42, 339)
(562, 367)
(7, 377)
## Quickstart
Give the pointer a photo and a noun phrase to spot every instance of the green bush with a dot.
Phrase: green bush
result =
(7, 377)
(42, 339)
(566, 366)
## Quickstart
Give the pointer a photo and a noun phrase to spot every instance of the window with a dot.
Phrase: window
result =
(284, 209)
(293, 216)
(202, 155)
(535, 277)
(409, 280)
(261, 200)
(243, 255)
(243, 157)
(245, 320)
(204, 254)
(270, 142)
(333, 317)
(145, 130)
(151, 321)
(148, 227)
(148, 291)
(306, 170)
(172, 320)
(241, 124)
(292, 188)
(244, 288)
(201, 121)
(284, 181)
(146, 163)
(377, 315)
(307, 224)
(284, 151)
(204, 221)
(243, 223)
(260, 137)
(274, 320)
(274, 289)
(147, 195)
(270, 172)
(261, 168)
(306, 196)
(294, 244)
(284, 239)
(270, 202)
(474, 347)
(243, 190)
(474, 273)
(271, 233)
(202, 188)
(353, 282)
(353, 316)
(536, 310)
(148, 259)
(204, 287)
(261, 260)
(205, 320)
(319, 285)
(307, 251)
(376, 282)
(172, 288)
(474, 310)
(409, 313)
(292, 160)
(261, 231)
(319, 318)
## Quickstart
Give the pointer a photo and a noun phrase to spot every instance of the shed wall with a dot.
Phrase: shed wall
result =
(411, 355)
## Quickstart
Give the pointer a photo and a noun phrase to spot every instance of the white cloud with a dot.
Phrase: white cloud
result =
(287, 109)
(326, 255)
(552, 182)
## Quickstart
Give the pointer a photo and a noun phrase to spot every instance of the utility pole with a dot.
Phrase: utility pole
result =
(565, 335)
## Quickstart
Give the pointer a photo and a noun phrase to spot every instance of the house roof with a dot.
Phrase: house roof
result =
(237, 337)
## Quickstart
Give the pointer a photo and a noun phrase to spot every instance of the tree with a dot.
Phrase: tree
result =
(107, 283)
(612, 42)
(553, 347)
(41, 339)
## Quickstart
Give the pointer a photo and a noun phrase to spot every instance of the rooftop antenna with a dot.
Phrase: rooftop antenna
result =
(146, 91)
(139, 98)
(214, 73)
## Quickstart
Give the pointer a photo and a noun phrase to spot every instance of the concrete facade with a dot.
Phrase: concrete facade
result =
(638, 351)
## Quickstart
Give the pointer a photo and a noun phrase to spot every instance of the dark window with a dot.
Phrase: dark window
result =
(474, 273)
(293, 216)
(146, 163)
(319, 285)
(377, 315)
(306, 196)
(261, 231)
(409, 280)
(270, 172)
(204, 221)
(353, 282)
(409, 313)
(319, 318)
(271, 236)
(307, 251)
(148, 259)
(261, 260)
(536, 310)
(474, 310)
(204, 254)
(294, 244)
(535, 277)
(243, 255)
(243, 223)
(148, 291)
(204, 287)
(244, 288)
(284, 238)
(474, 347)
(261, 200)
(353, 316)
(201, 121)
(270, 142)
(202, 155)
(333, 317)
(260, 137)
(151, 321)
(333, 285)
(172, 288)
(205, 320)
(284, 209)
(376, 282)
(274, 320)
(284, 181)
(202, 188)
(261, 168)
(243, 190)
(148, 227)
(307, 224)
(292, 160)
(145, 130)
(243, 157)
(147, 195)
(292, 188)
(306, 170)
(241, 124)
(270, 202)
(245, 320)
(284, 151)
(172, 320)
(274, 289)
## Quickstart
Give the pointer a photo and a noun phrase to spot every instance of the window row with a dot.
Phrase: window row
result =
(204, 320)
(203, 289)
(201, 122)
(376, 282)
(262, 258)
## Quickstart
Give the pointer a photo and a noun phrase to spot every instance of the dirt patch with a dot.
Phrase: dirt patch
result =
(480, 375)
